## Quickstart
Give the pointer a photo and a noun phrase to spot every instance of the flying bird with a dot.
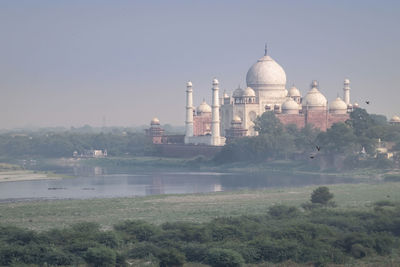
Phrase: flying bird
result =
(318, 148)
(367, 102)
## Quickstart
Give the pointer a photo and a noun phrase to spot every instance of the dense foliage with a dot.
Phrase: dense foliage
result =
(277, 141)
(317, 236)
(63, 144)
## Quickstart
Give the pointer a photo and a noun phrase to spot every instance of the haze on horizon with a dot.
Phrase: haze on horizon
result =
(71, 63)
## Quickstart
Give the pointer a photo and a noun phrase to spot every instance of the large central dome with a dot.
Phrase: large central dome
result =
(266, 73)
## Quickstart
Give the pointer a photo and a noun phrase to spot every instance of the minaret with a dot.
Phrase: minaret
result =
(216, 138)
(189, 112)
(346, 91)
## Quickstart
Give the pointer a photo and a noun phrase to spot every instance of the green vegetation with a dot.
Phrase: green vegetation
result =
(343, 142)
(43, 215)
(63, 144)
(283, 233)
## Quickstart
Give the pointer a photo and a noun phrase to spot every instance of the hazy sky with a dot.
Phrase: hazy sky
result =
(70, 63)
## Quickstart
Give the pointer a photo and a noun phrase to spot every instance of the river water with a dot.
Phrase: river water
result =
(98, 182)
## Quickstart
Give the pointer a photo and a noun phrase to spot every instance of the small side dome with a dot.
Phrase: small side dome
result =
(236, 119)
(338, 106)
(189, 84)
(346, 81)
(249, 92)
(395, 119)
(155, 121)
(290, 106)
(226, 95)
(238, 92)
(356, 105)
(203, 108)
(215, 81)
(294, 92)
(314, 98)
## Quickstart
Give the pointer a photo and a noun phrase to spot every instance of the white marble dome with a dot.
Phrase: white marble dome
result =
(203, 108)
(294, 92)
(314, 99)
(290, 106)
(338, 106)
(249, 92)
(238, 92)
(264, 72)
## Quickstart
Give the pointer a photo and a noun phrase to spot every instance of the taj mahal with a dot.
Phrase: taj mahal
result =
(232, 116)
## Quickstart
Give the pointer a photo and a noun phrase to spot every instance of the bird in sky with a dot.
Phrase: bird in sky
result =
(367, 102)
(318, 148)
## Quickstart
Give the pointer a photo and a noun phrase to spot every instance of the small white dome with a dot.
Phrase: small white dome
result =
(346, 81)
(155, 121)
(290, 104)
(215, 81)
(189, 84)
(395, 118)
(226, 95)
(356, 105)
(314, 98)
(338, 106)
(238, 92)
(203, 108)
(293, 92)
(249, 92)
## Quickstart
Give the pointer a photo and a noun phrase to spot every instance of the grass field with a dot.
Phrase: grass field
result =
(41, 215)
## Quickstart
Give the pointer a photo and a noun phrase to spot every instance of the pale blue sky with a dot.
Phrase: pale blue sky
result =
(70, 63)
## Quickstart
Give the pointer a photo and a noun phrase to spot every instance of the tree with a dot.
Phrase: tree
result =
(321, 195)
(100, 256)
(269, 124)
(218, 257)
(337, 139)
(171, 257)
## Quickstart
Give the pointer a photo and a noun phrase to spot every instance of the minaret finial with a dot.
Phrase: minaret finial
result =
(266, 49)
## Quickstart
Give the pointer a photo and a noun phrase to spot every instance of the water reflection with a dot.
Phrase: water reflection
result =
(98, 182)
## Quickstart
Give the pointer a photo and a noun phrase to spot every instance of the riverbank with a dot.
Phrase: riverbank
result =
(143, 164)
(15, 173)
(46, 214)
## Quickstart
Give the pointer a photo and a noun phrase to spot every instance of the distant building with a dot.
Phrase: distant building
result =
(233, 116)
(395, 120)
(90, 153)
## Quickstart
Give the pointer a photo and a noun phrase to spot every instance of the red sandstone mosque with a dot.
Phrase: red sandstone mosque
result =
(232, 116)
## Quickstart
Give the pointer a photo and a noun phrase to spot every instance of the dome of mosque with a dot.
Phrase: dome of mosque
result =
(290, 104)
(155, 121)
(265, 71)
(356, 105)
(203, 108)
(314, 98)
(238, 92)
(249, 92)
(338, 106)
(226, 95)
(293, 92)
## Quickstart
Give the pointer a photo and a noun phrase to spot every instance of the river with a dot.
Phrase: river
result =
(97, 182)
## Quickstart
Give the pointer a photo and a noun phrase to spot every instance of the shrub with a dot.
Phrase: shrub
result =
(282, 211)
(218, 257)
(100, 256)
(321, 195)
(136, 230)
(171, 257)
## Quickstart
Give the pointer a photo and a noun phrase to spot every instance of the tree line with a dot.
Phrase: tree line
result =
(278, 141)
(63, 144)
